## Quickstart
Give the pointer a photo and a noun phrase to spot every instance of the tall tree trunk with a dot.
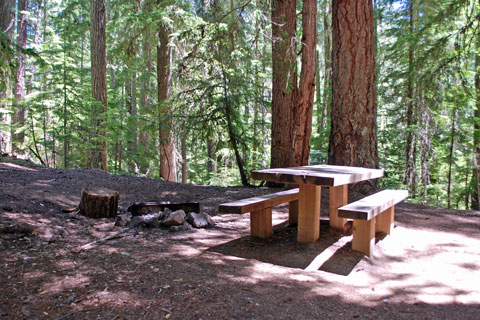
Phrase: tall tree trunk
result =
(7, 23)
(327, 56)
(450, 158)
(211, 156)
(132, 145)
(19, 91)
(146, 101)
(184, 158)
(232, 135)
(292, 106)
(303, 111)
(411, 141)
(7, 16)
(353, 135)
(475, 203)
(168, 170)
(257, 94)
(320, 114)
(99, 78)
(65, 109)
(284, 70)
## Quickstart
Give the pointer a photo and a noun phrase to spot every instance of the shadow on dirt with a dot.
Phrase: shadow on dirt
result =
(330, 253)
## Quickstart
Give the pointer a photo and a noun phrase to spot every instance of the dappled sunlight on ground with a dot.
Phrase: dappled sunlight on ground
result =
(423, 265)
(58, 284)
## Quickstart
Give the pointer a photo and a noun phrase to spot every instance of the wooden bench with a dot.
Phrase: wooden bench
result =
(372, 214)
(260, 209)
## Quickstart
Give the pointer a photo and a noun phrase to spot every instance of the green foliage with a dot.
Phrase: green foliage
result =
(441, 39)
(222, 58)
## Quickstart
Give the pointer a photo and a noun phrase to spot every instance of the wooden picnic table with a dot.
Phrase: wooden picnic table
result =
(310, 180)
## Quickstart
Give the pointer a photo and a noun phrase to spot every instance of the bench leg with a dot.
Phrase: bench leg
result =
(293, 213)
(261, 223)
(364, 236)
(309, 213)
(384, 221)
(338, 198)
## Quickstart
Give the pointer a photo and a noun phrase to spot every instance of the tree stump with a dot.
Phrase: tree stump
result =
(99, 202)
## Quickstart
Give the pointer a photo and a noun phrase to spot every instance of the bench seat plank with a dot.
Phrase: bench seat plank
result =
(259, 203)
(371, 206)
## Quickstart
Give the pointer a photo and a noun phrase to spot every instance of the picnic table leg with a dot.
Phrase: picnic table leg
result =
(309, 213)
(364, 236)
(384, 221)
(338, 198)
(261, 223)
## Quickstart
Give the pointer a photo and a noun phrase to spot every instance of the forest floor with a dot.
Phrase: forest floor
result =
(429, 268)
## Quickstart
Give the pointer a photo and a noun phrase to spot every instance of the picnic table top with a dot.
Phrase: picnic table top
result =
(323, 175)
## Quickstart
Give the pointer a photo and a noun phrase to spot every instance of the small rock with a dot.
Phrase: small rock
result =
(137, 221)
(175, 218)
(70, 299)
(200, 220)
(122, 220)
(184, 227)
(152, 220)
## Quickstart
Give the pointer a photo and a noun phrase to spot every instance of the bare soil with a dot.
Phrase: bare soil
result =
(429, 268)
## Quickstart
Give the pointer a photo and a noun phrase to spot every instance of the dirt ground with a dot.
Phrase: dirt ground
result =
(429, 268)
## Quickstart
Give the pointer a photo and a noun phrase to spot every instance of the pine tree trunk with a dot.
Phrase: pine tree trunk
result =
(211, 161)
(327, 42)
(320, 114)
(411, 141)
(146, 101)
(233, 137)
(450, 158)
(303, 111)
(168, 170)
(7, 23)
(476, 133)
(353, 137)
(99, 79)
(184, 158)
(284, 70)
(132, 144)
(19, 91)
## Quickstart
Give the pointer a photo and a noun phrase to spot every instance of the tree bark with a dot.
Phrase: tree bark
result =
(99, 79)
(476, 133)
(7, 16)
(211, 156)
(292, 106)
(99, 202)
(19, 91)
(184, 158)
(411, 141)
(353, 136)
(146, 101)
(450, 158)
(132, 145)
(303, 111)
(284, 70)
(7, 23)
(168, 170)
(233, 137)
(327, 41)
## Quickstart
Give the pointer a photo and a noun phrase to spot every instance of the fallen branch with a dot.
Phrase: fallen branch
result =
(101, 241)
